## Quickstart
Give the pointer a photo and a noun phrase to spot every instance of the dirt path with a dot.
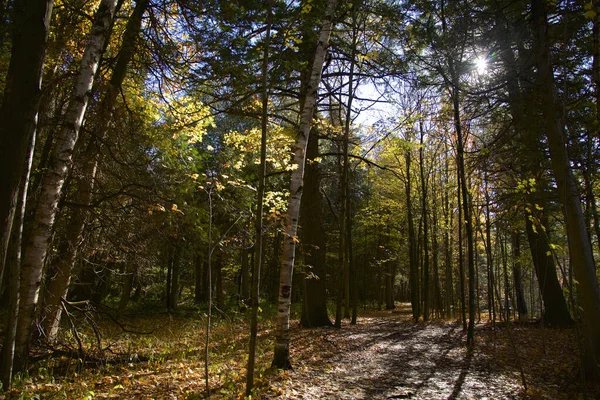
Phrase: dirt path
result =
(388, 356)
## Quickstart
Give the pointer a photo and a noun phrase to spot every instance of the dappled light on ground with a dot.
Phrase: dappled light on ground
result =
(385, 356)
(390, 357)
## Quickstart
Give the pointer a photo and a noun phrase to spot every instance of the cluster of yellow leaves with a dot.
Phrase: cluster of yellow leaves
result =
(590, 13)
(279, 142)
(189, 119)
(276, 204)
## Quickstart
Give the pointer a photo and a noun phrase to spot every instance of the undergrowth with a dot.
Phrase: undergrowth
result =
(148, 355)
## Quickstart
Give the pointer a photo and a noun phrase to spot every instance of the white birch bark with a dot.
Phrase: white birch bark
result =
(36, 248)
(60, 271)
(282, 332)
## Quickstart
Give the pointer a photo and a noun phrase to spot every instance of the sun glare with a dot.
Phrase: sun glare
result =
(481, 65)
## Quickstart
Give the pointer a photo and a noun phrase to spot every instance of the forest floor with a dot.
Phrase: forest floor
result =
(384, 356)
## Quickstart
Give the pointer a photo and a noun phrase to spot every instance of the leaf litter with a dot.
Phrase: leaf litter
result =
(386, 355)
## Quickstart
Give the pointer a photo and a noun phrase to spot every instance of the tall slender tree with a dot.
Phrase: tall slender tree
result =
(281, 357)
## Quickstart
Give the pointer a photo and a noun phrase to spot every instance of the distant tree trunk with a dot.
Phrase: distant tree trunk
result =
(36, 247)
(580, 250)
(281, 357)
(389, 286)
(127, 286)
(175, 267)
(488, 250)
(60, 270)
(556, 311)
(353, 274)
(219, 284)
(424, 216)
(244, 275)
(466, 205)
(437, 290)
(199, 279)
(168, 286)
(461, 258)
(31, 23)
(412, 239)
(102, 283)
(449, 292)
(518, 277)
(502, 241)
(314, 307)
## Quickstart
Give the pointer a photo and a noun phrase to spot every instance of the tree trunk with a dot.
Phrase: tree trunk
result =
(580, 250)
(199, 279)
(62, 267)
(245, 275)
(314, 308)
(412, 239)
(435, 250)
(13, 264)
(259, 234)
(518, 277)
(281, 357)
(127, 286)
(489, 254)
(175, 267)
(556, 311)
(31, 23)
(461, 258)
(449, 292)
(345, 211)
(424, 216)
(219, 283)
(466, 205)
(35, 250)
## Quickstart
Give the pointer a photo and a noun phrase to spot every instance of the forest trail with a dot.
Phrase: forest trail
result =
(388, 356)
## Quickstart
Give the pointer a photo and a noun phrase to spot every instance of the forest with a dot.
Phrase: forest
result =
(249, 199)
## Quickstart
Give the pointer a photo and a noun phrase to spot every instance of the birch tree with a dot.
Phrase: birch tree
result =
(281, 358)
(60, 270)
(36, 246)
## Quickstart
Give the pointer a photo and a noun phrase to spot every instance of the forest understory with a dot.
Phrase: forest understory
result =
(386, 355)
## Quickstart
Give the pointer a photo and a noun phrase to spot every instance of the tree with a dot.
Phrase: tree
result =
(579, 244)
(61, 268)
(31, 22)
(282, 336)
(36, 246)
